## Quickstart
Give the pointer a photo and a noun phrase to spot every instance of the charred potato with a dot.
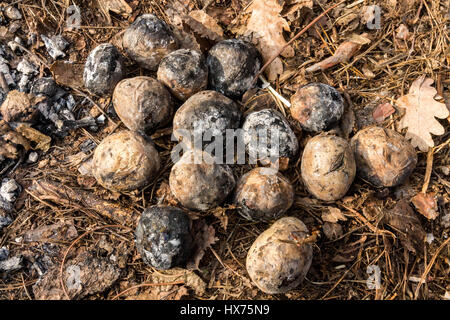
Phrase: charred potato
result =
(263, 194)
(103, 69)
(207, 112)
(125, 161)
(383, 157)
(200, 185)
(163, 237)
(184, 72)
(147, 40)
(269, 122)
(142, 103)
(232, 66)
(275, 262)
(317, 106)
(328, 167)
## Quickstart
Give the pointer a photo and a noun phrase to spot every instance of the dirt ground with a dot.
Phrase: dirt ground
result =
(370, 239)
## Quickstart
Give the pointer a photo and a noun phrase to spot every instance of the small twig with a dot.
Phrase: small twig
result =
(428, 170)
(295, 38)
(25, 287)
(266, 85)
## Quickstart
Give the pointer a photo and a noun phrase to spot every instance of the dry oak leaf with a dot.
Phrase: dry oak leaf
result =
(382, 111)
(421, 111)
(333, 215)
(117, 6)
(267, 26)
(204, 238)
(68, 74)
(203, 24)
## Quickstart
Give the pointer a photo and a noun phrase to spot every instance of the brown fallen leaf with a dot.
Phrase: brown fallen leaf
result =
(407, 225)
(292, 6)
(204, 25)
(10, 142)
(420, 112)
(117, 6)
(221, 214)
(382, 111)
(343, 53)
(64, 195)
(332, 230)
(426, 204)
(41, 140)
(266, 26)
(68, 74)
(166, 197)
(333, 215)
(19, 107)
(204, 237)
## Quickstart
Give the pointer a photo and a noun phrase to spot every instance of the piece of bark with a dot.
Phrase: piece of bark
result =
(60, 231)
(58, 193)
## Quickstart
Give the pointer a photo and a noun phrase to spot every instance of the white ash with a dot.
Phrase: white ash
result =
(73, 281)
(85, 168)
(33, 157)
(11, 264)
(9, 191)
(101, 119)
(12, 13)
(429, 238)
(45, 86)
(70, 102)
(24, 83)
(28, 71)
(56, 45)
(15, 44)
(445, 220)
(27, 68)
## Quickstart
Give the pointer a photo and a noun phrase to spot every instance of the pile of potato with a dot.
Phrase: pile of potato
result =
(279, 258)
